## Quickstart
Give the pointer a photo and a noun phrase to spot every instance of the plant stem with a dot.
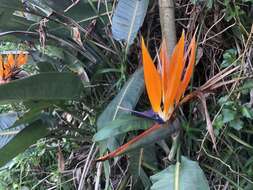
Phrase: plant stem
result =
(177, 176)
(175, 144)
(167, 19)
(177, 170)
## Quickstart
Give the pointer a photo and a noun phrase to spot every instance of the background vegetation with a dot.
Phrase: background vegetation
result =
(85, 76)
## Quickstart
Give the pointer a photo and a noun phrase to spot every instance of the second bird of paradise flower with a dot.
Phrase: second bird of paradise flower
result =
(11, 64)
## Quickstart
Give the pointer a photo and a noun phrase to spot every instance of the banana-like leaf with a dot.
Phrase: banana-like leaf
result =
(63, 43)
(44, 62)
(51, 4)
(186, 175)
(35, 110)
(148, 137)
(80, 11)
(25, 138)
(13, 16)
(6, 121)
(128, 18)
(122, 125)
(44, 86)
(127, 98)
(17, 17)
(69, 13)
(137, 158)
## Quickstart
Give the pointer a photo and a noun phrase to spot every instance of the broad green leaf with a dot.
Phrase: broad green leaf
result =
(25, 138)
(127, 98)
(35, 110)
(236, 124)
(51, 4)
(28, 117)
(239, 140)
(45, 86)
(6, 121)
(136, 170)
(70, 15)
(107, 171)
(39, 6)
(148, 137)
(218, 123)
(247, 112)
(63, 42)
(11, 5)
(10, 19)
(139, 159)
(81, 12)
(153, 137)
(246, 87)
(44, 62)
(228, 115)
(249, 185)
(128, 18)
(122, 125)
(59, 25)
(229, 57)
(191, 177)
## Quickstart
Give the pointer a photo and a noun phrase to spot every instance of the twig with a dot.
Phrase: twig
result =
(224, 30)
(212, 27)
(72, 5)
(80, 187)
(99, 171)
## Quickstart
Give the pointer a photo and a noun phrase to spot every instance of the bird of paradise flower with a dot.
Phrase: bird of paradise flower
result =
(10, 66)
(165, 84)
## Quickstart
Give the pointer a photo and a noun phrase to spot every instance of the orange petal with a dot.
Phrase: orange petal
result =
(22, 59)
(1, 68)
(152, 79)
(177, 59)
(7, 73)
(165, 68)
(10, 61)
(189, 70)
(8, 67)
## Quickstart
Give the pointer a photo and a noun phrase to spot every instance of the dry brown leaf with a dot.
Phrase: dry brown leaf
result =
(60, 159)
(76, 36)
(208, 120)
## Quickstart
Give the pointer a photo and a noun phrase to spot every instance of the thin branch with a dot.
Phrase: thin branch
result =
(81, 184)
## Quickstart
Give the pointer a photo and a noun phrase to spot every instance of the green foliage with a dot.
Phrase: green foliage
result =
(80, 79)
(232, 10)
(186, 174)
(208, 3)
(128, 18)
(233, 113)
(121, 125)
(52, 86)
(229, 57)
(126, 98)
(9, 46)
(6, 121)
(36, 167)
(26, 137)
(137, 160)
